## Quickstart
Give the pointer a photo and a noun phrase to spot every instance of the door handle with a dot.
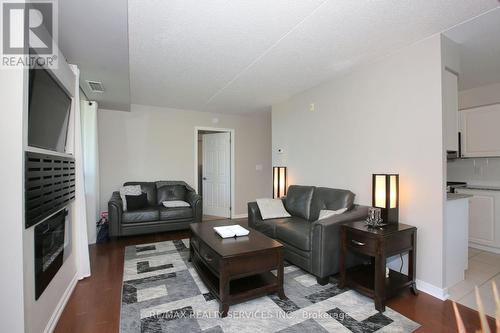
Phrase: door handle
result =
(204, 178)
(357, 243)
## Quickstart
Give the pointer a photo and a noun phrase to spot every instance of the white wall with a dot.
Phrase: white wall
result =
(12, 97)
(42, 314)
(153, 143)
(385, 117)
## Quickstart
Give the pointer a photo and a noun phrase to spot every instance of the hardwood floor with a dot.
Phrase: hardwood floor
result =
(94, 306)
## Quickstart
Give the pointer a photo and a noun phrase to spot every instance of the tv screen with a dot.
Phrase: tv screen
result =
(49, 110)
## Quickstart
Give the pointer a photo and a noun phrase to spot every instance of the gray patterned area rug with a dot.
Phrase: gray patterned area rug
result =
(163, 293)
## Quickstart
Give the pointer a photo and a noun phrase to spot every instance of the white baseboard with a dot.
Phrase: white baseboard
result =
(51, 325)
(239, 216)
(484, 247)
(432, 290)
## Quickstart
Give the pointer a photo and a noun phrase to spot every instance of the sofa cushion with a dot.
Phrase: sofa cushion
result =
(175, 213)
(268, 227)
(148, 188)
(272, 208)
(171, 192)
(144, 215)
(298, 200)
(296, 232)
(175, 203)
(136, 202)
(129, 190)
(330, 199)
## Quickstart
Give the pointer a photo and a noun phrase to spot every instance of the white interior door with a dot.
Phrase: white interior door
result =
(217, 174)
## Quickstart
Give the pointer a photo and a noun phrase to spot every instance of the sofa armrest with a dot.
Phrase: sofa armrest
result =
(197, 205)
(326, 241)
(115, 211)
(253, 214)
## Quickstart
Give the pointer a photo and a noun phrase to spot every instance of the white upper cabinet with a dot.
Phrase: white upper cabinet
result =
(480, 131)
(450, 106)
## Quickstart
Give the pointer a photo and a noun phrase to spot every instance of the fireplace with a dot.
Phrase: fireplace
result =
(49, 250)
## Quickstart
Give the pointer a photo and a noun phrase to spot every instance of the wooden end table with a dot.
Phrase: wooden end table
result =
(379, 244)
(236, 269)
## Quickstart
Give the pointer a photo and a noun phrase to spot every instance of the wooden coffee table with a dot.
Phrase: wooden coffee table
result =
(236, 269)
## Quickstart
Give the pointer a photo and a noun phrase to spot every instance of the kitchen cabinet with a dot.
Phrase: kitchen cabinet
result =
(456, 246)
(480, 131)
(484, 218)
(450, 108)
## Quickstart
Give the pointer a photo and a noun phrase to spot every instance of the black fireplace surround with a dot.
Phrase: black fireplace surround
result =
(49, 250)
(50, 185)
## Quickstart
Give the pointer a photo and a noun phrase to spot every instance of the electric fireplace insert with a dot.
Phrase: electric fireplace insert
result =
(49, 250)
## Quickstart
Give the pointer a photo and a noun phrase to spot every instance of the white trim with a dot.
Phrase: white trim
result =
(232, 145)
(51, 325)
(432, 290)
(47, 151)
(484, 247)
(239, 216)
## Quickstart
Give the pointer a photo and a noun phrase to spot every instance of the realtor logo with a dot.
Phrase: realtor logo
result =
(28, 33)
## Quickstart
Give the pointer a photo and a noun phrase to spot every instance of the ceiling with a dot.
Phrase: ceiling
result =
(93, 35)
(238, 56)
(479, 41)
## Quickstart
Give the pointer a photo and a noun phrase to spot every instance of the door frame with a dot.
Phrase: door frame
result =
(197, 129)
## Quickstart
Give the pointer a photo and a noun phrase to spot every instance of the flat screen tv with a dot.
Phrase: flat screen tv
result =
(49, 110)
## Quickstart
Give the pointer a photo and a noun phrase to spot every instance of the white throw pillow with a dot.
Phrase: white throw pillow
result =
(129, 190)
(175, 203)
(325, 213)
(272, 208)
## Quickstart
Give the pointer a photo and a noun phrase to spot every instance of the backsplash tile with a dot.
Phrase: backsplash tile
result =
(477, 171)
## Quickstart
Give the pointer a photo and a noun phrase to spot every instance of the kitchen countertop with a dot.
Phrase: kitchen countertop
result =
(457, 196)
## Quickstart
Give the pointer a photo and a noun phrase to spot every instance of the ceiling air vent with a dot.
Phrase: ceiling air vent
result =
(95, 86)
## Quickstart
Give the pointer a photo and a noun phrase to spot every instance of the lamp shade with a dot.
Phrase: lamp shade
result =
(385, 195)
(279, 181)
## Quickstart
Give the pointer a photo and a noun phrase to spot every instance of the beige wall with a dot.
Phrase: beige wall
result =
(152, 143)
(382, 118)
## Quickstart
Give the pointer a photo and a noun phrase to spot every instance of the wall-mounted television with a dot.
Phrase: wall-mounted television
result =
(49, 111)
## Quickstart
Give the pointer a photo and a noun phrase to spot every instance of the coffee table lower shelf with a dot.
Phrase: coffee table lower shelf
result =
(240, 289)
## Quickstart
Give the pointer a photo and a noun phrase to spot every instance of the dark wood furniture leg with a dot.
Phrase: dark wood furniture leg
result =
(281, 272)
(323, 281)
(380, 280)
(190, 251)
(412, 263)
(223, 292)
(343, 253)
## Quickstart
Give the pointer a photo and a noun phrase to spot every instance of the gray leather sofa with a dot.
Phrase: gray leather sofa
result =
(311, 244)
(155, 218)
